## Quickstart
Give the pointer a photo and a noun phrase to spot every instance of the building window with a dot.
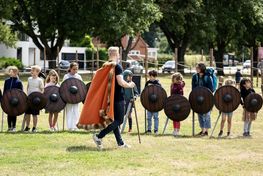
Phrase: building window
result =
(135, 52)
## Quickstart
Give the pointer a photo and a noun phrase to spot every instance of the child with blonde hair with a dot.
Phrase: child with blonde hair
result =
(13, 82)
(227, 116)
(35, 84)
(52, 80)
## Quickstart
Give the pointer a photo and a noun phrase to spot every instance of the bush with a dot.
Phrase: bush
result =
(103, 55)
(162, 58)
(5, 62)
(192, 60)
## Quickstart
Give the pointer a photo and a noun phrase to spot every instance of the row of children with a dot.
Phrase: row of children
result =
(36, 84)
(204, 78)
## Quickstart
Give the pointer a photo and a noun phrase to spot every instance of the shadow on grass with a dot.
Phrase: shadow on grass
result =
(49, 132)
(83, 148)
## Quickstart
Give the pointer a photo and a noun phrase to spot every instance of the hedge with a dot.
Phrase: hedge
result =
(5, 62)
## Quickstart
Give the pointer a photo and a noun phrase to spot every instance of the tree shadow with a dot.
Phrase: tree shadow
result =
(84, 148)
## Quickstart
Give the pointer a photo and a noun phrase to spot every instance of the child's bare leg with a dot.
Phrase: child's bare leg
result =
(27, 119)
(223, 122)
(229, 123)
(55, 119)
(35, 121)
(50, 119)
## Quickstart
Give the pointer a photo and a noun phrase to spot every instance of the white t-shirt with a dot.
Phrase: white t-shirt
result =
(51, 84)
(35, 85)
(68, 75)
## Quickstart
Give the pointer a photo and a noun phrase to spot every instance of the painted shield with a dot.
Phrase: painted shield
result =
(253, 102)
(73, 91)
(177, 107)
(201, 100)
(54, 101)
(227, 98)
(14, 102)
(87, 86)
(37, 101)
(153, 98)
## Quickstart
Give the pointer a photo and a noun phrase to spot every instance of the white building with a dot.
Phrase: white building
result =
(29, 54)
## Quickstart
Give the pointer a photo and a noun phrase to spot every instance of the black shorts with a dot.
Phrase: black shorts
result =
(32, 111)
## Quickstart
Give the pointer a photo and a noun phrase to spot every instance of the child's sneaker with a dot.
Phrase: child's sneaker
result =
(148, 132)
(228, 133)
(124, 146)
(34, 130)
(245, 134)
(130, 130)
(26, 129)
(98, 142)
(248, 134)
(14, 130)
(51, 129)
(220, 133)
(175, 133)
(155, 132)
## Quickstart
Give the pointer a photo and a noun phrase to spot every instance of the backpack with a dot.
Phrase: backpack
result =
(210, 73)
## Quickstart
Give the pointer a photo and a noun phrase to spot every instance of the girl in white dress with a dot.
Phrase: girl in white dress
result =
(72, 110)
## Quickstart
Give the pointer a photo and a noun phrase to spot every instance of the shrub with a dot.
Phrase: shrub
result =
(5, 62)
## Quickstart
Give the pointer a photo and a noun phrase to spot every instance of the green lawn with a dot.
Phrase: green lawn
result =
(67, 153)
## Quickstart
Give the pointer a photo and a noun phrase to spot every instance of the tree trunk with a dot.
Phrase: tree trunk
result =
(255, 60)
(180, 56)
(52, 59)
(219, 58)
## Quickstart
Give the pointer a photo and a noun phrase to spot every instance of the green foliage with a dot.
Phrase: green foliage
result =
(5, 62)
(84, 42)
(192, 60)
(7, 36)
(103, 54)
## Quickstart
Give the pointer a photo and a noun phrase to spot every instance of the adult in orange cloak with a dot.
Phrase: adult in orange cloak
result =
(104, 104)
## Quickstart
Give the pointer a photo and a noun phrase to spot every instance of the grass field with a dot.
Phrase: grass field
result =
(74, 153)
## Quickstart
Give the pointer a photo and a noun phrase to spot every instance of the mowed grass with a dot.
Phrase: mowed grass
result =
(74, 153)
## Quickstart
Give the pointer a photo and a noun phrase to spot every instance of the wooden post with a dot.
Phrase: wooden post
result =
(176, 59)
(211, 57)
(58, 60)
(97, 58)
(251, 66)
(34, 56)
(92, 63)
(146, 63)
(76, 56)
(202, 55)
(45, 58)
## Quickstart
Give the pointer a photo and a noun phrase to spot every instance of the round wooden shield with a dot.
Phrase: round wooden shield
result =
(253, 102)
(201, 100)
(14, 102)
(87, 86)
(227, 98)
(36, 100)
(73, 91)
(1, 95)
(54, 101)
(153, 98)
(177, 107)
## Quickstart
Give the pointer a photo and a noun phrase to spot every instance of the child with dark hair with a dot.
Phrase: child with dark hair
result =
(248, 117)
(177, 87)
(200, 79)
(152, 81)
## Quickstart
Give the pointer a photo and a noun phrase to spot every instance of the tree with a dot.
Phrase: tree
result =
(7, 36)
(122, 18)
(50, 22)
(181, 20)
(252, 13)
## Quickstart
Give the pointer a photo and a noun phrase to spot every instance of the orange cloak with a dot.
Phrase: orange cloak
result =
(98, 109)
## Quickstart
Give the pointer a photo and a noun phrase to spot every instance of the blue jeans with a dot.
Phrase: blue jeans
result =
(204, 120)
(156, 120)
(114, 126)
